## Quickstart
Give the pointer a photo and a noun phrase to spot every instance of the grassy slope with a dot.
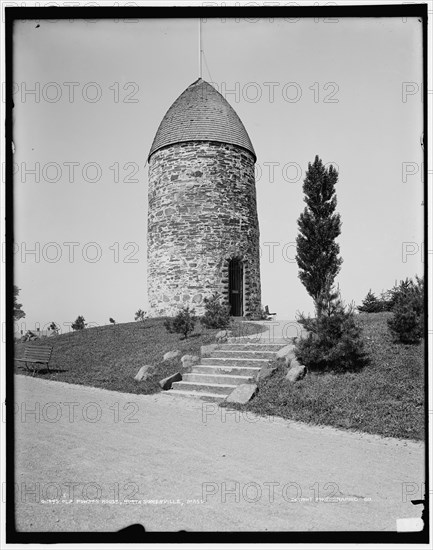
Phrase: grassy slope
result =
(110, 356)
(386, 398)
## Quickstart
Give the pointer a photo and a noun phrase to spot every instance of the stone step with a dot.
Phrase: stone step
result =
(223, 369)
(223, 389)
(205, 396)
(265, 339)
(250, 347)
(232, 362)
(246, 354)
(223, 379)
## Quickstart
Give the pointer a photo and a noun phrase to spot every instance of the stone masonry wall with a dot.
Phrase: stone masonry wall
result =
(202, 213)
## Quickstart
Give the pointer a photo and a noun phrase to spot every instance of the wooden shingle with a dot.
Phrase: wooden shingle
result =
(201, 113)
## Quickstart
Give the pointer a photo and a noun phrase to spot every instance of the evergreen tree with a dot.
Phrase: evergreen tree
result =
(407, 322)
(79, 323)
(217, 314)
(182, 323)
(319, 226)
(387, 300)
(18, 312)
(333, 341)
(371, 304)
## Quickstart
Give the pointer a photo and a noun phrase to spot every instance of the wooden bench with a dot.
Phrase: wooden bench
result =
(34, 353)
(267, 312)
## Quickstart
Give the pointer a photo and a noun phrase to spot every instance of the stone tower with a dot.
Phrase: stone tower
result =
(203, 231)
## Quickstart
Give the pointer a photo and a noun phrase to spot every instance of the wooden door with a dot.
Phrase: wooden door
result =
(236, 278)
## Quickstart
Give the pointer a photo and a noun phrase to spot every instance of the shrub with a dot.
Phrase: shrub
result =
(257, 314)
(182, 323)
(407, 323)
(140, 315)
(217, 315)
(79, 323)
(334, 341)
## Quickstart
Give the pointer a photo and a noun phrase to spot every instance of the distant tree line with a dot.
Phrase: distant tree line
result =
(406, 301)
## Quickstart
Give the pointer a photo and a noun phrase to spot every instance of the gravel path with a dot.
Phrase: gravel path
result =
(191, 465)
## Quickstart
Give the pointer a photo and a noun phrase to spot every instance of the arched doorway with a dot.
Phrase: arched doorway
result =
(236, 290)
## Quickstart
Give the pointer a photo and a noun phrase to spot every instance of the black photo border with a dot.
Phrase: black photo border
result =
(126, 12)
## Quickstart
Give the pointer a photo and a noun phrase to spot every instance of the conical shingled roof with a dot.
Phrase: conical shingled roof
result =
(201, 114)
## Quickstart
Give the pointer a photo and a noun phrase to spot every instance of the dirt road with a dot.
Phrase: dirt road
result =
(90, 459)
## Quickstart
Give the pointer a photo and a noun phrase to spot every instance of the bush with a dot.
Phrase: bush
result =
(257, 314)
(79, 323)
(217, 315)
(183, 323)
(334, 341)
(407, 323)
(140, 315)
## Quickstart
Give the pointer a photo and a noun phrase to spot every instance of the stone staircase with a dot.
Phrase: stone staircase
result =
(237, 362)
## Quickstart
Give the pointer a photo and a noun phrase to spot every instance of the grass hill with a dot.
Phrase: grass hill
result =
(386, 398)
(110, 356)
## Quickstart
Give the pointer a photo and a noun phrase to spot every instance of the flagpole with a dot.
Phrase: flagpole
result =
(199, 46)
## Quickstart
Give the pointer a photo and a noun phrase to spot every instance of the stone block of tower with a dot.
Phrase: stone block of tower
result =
(203, 231)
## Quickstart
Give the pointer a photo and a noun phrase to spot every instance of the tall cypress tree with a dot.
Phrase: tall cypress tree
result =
(319, 226)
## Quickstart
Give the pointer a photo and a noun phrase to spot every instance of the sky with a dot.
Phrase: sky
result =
(347, 90)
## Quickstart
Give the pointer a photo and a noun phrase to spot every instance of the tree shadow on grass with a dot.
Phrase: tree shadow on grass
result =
(356, 365)
(197, 335)
(42, 370)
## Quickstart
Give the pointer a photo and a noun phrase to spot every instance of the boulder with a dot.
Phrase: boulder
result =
(171, 355)
(287, 351)
(189, 360)
(293, 362)
(207, 350)
(242, 394)
(296, 372)
(166, 383)
(143, 373)
(221, 336)
(266, 372)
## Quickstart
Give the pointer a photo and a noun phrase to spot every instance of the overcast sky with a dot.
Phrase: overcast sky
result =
(347, 90)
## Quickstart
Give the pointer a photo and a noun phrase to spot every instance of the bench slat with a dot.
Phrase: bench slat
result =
(35, 346)
(33, 360)
(38, 355)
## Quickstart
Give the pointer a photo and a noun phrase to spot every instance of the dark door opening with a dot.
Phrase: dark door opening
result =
(236, 277)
